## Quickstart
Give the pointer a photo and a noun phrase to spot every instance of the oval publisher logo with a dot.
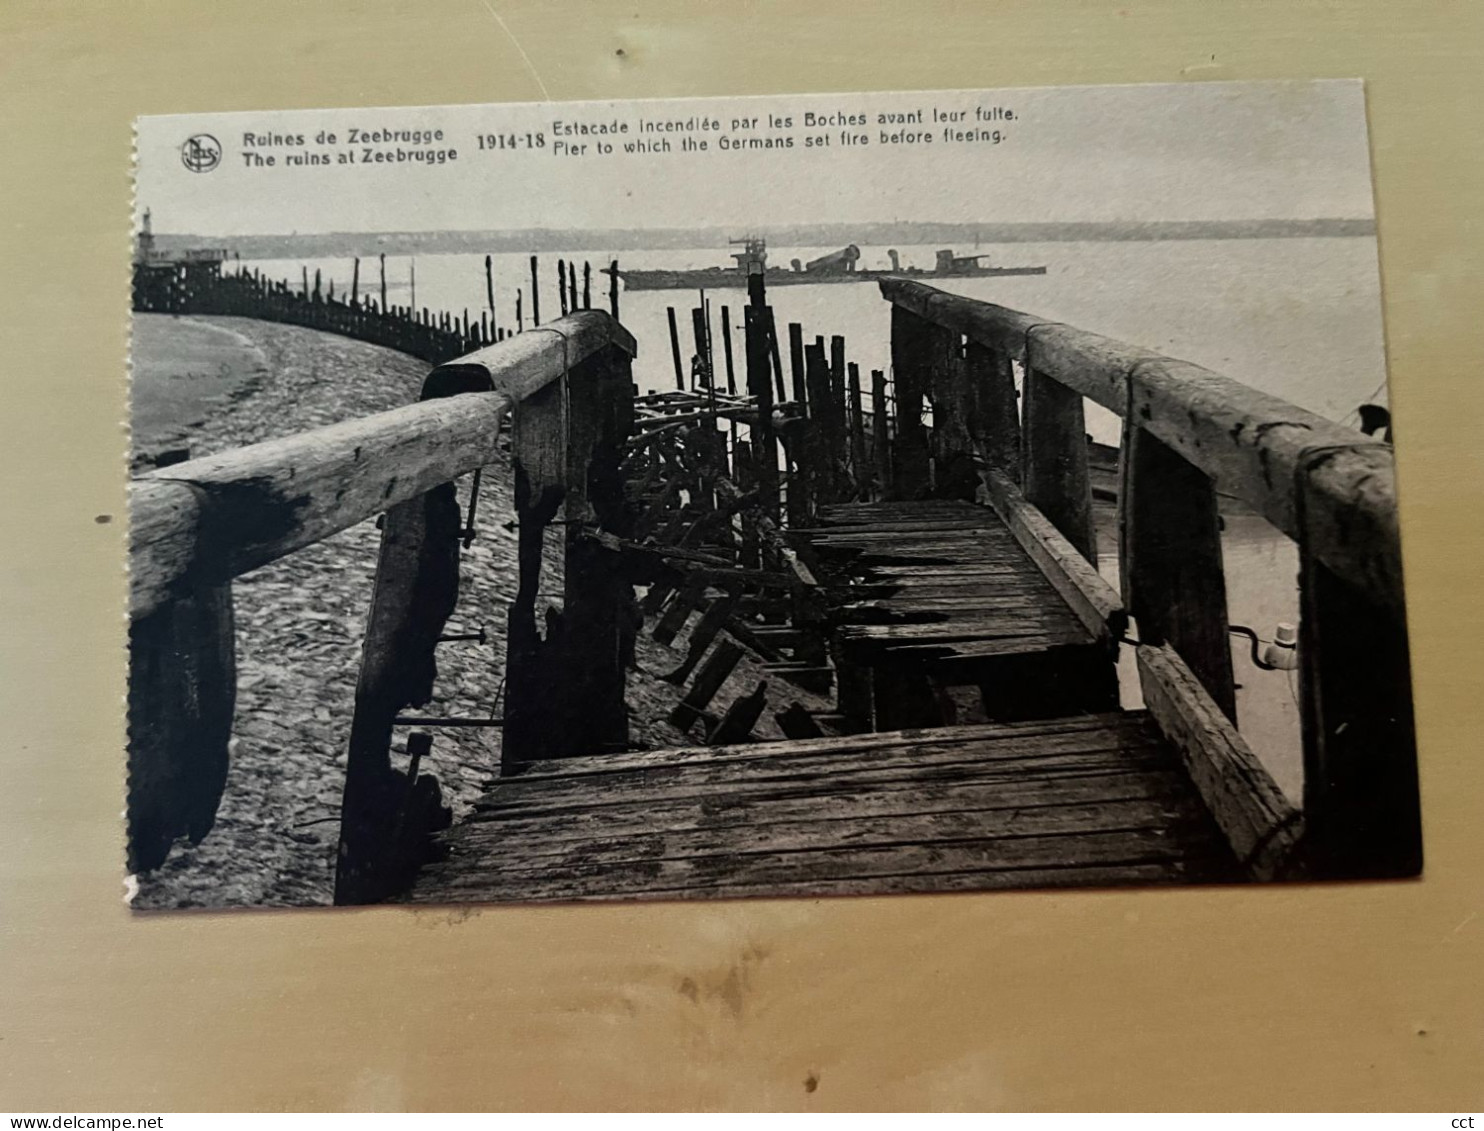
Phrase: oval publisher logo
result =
(201, 153)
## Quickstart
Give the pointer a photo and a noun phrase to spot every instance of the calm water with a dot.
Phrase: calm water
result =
(1298, 318)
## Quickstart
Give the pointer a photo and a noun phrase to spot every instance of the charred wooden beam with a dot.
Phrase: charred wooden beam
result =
(714, 672)
(737, 723)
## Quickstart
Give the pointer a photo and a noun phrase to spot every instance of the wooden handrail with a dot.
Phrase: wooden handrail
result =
(205, 521)
(1189, 431)
(1255, 446)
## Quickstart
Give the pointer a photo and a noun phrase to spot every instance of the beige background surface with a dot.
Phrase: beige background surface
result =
(1356, 996)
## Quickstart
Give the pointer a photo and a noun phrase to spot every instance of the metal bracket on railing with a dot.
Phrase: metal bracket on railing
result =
(443, 721)
(458, 636)
(468, 531)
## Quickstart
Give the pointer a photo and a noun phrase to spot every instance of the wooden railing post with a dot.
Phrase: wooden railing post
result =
(1361, 802)
(1054, 457)
(1170, 561)
(386, 815)
(539, 461)
(598, 622)
(996, 410)
(182, 693)
(909, 347)
(954, 475)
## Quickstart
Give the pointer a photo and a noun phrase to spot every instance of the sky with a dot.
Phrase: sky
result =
(1193, 151)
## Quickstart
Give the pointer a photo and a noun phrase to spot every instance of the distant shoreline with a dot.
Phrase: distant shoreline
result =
(340, 244)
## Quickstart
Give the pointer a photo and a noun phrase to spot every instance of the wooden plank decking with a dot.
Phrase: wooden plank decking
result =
(938, 579)
(1083, 801)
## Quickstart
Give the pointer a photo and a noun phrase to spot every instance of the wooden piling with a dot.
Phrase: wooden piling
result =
(726, 345)
(781, 388)
(823, 441)
(760, 385)
(613, 288)
(562, 286)
(382, 259)
(837, 382)
(355, 281)
(880, 434)
(675, 349)
(858, 465)
(587, 285)
(720, 664)
(535, 291)
(698, 333)
(796, 363)
(736, 725)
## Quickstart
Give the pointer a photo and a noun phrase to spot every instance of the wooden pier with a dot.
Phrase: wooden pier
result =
(895, 573)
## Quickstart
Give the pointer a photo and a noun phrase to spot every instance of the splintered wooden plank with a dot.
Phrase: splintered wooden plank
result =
(559, 830)
(983, 647)
(776, 760)
(1180, 816)
(985, 742)
(950, 585)
(1127, 875)
(1015, 623)
(921, 570)
(662, 789)
(1002, 549)
(964, 535)
(979, 580)
(926, 763)
(1128, 726)
(842, 512)
(1184, 825)
(902, 600)
(572, 878)
(972, 529)
(819, 801)
(818, 794)
(1186, 871)
(902, 551)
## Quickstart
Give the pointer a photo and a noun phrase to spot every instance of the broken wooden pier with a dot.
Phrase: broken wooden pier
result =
(895, 657)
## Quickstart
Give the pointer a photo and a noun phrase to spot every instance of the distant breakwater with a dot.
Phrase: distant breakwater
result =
(186, 289)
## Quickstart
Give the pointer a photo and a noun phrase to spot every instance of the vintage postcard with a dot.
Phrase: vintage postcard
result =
(788, 496)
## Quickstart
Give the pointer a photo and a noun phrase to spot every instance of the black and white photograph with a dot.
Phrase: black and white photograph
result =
(788, 496)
